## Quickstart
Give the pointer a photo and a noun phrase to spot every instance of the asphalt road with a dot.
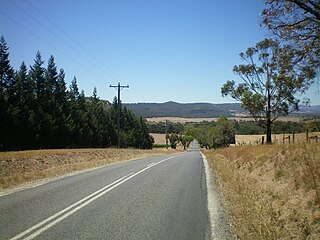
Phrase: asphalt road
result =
(155, 198)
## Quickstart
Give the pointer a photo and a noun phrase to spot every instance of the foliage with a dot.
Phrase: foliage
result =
(160, 127)
(186, 140)
(253, 128)
(159, 145)
(214, 134)
(312, 125)
(37, 111)
(296, 22)
(223, 134)
(174, 140)
(270, 82)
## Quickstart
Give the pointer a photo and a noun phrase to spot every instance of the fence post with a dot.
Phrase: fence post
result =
(293, 132)
(307, 135)
(262, 140)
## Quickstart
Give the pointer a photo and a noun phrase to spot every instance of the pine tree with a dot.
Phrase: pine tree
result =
(60, 89)
(37, 111)
(51, 77)
(37, 74)
(61, 112)
(6, 71)
(6, 79)
(100, 122)
(74, 90)
(19, 111)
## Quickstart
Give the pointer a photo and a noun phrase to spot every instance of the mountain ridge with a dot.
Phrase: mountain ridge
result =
(199, 110)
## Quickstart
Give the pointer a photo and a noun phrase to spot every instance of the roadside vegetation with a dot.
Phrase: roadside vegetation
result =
(224, 132)
(277, 71)
(271, 191)
(27, 166)
(37, 111)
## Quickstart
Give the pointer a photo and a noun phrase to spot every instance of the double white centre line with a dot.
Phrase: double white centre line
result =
(42, 226)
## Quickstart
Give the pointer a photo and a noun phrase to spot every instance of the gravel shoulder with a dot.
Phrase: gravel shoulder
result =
(221, 229)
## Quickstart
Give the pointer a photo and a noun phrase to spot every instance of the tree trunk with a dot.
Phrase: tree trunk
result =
(268, 126)
(268, 123)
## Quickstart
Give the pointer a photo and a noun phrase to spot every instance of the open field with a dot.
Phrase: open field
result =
(185, 120)
(276, 138)
(250, 139)
(271, 191)
(159, 138)
(24, 166)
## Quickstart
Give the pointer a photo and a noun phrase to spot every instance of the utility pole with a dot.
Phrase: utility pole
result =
(166, 134)
(119, 88)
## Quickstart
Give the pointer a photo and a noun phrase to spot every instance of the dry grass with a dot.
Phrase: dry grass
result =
(276, 138)
(159, 138)
(24, 166)
(272, 191)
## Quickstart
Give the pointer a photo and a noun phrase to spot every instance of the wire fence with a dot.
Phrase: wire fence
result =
(287, 138)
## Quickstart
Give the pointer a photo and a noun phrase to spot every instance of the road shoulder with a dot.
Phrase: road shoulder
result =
(220, 227)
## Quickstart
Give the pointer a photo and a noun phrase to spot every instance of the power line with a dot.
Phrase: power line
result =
(109, 71)
(115, 76)
(56, 35)
(48, 43)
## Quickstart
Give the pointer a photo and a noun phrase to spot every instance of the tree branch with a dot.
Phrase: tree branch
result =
(307, 8)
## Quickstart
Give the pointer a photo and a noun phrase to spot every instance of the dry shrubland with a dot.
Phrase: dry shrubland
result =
(271, 191)
(24, 166)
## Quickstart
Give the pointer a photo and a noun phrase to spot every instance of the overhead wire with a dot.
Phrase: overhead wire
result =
(56, 35)
(48, 43)
(74, 40)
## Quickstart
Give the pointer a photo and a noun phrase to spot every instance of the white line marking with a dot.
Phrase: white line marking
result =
(63, 211)
(82, 203)
(150, 164)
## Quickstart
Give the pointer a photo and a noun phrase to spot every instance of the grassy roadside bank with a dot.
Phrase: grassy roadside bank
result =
(25, 166)
(272, 192)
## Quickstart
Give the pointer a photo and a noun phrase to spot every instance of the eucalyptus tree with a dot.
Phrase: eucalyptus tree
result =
(270, 82)
(296, 23)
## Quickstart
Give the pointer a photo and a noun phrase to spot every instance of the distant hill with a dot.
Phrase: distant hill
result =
(313, 110)
(186, 110)
(199, 110)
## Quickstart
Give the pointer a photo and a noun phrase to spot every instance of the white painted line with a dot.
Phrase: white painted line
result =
(63, 211)
(59, 216)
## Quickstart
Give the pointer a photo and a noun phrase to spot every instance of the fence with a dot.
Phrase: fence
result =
(278, 138)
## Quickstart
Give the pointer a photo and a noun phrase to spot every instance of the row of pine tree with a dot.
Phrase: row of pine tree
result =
(38, 111)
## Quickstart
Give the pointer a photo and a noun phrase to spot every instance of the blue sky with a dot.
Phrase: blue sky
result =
(166, 50)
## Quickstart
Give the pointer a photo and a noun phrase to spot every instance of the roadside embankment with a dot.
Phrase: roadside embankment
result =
(272, 191)
(29, 166)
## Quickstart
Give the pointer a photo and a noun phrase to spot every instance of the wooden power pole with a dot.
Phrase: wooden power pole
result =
(119, 88)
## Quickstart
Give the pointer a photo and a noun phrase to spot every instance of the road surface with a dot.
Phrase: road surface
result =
(154, 198)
